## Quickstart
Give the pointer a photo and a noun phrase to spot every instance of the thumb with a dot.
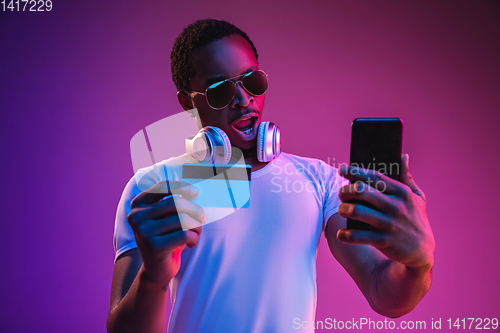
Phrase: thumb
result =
(406, 177)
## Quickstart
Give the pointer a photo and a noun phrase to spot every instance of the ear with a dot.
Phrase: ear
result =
(185, 100)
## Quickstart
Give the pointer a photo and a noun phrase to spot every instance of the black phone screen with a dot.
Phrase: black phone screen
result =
(376, 144)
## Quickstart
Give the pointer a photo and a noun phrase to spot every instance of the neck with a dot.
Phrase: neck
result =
(250, 157)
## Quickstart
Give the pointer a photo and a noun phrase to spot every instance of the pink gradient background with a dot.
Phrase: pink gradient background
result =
(78, 82)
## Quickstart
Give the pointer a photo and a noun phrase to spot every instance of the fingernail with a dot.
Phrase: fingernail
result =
(343, 234)
(359, 186)
(170, 196)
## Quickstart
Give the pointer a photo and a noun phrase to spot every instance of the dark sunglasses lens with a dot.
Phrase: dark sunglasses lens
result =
(221, 94)
(255, 83)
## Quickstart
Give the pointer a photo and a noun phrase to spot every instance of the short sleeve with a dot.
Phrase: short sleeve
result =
(332, 183)
(123, 238)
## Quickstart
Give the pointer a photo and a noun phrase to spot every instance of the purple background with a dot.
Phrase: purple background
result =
(78, 82)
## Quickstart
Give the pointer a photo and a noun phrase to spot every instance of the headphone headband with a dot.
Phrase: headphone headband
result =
(212, 145)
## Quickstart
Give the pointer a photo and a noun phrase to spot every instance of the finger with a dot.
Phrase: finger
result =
(368, 237)
(197, 231)
(161, 209)
(373, 178)
(161, 189)
(172, 206)
(187, 222)
(170, 241)
(361, 192)
(365, 214)
(406, 177)
(152, 228)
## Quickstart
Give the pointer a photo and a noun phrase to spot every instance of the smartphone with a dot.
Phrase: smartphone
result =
(376, 144)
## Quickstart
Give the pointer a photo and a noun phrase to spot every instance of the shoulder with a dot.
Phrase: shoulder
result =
(167, 169)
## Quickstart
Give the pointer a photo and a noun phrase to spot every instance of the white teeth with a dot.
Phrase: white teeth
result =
(247, 131)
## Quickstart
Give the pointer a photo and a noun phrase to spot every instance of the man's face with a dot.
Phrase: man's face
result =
(219, 60)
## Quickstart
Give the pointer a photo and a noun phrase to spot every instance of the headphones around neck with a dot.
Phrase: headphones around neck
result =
(212, 145)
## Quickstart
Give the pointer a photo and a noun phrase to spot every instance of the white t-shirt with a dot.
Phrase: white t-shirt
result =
(254, 270)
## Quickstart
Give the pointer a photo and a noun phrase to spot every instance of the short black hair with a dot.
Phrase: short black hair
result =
(195, 35)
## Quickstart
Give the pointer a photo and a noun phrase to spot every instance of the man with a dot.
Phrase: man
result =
(254, 270)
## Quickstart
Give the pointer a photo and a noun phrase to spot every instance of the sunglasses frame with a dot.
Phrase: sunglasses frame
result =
(231, 79)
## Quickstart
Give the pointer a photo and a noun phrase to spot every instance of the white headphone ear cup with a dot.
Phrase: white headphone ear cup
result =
(210, 145)
(199, 147)
(268, 142)
(261, 140)
(221, 153)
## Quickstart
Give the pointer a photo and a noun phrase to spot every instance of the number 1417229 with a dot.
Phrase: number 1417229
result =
(474, 323)
(26, 5)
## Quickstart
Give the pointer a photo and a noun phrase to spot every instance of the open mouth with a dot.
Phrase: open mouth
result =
(246, 125)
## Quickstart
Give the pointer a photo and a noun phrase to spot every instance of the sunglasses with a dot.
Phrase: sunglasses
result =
(220, 94)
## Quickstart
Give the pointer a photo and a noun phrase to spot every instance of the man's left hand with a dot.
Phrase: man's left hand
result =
(399, 227)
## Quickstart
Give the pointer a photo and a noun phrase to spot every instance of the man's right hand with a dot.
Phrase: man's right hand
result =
(157, 227)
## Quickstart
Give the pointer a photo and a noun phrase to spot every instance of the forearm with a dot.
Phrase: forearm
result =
(396, 289)
(142, 309)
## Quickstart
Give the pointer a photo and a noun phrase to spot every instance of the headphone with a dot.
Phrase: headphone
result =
(212, 145)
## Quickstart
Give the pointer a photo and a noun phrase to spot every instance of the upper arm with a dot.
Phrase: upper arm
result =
(124, 273)
(359, 261)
